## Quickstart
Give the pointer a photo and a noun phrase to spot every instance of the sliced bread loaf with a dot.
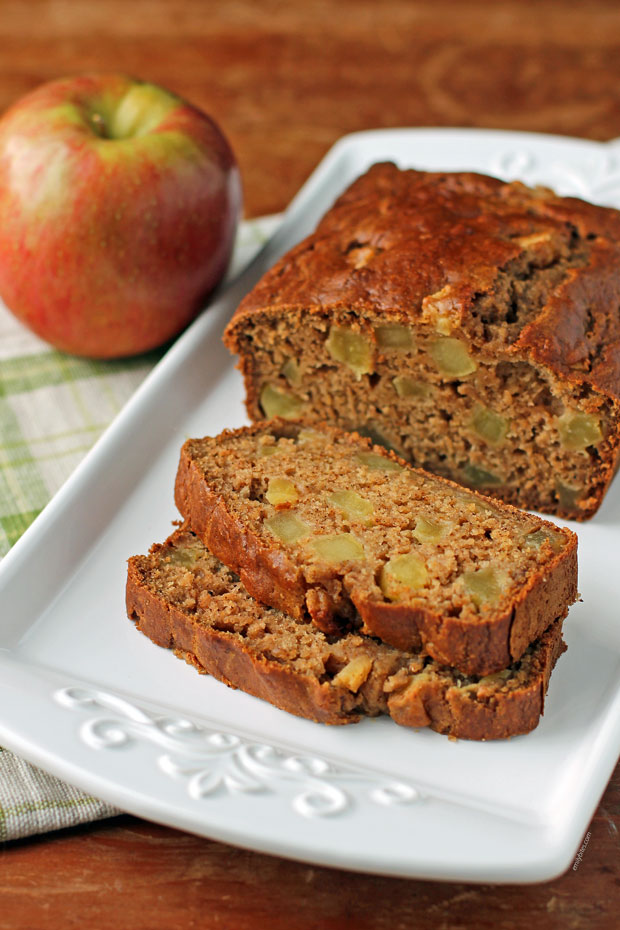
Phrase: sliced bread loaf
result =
(318, 522)
(469, 324)
(184, 599)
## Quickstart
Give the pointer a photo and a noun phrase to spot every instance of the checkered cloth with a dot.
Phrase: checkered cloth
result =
(53, 407)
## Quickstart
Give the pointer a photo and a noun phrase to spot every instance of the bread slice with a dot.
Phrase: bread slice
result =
(184, 599)
(469, 324)
(319, 523)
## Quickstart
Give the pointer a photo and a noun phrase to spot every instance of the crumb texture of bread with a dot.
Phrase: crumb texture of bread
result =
(184, 599)
(471, 325)
(319, 523)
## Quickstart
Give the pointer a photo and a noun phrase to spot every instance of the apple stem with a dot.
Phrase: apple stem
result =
(98, 124)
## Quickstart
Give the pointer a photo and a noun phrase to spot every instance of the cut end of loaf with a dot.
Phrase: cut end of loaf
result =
(463, 322)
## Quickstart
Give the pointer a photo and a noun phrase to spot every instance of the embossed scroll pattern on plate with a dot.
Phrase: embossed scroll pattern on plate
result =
(211, 761)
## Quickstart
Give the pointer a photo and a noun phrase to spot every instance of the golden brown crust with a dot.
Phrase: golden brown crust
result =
(434, 697)
(452, 711)
(476, 647)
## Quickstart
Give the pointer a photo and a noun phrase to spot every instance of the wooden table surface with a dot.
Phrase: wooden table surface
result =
(285, 80)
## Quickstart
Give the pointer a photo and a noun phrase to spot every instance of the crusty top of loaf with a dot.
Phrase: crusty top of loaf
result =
(405, 244)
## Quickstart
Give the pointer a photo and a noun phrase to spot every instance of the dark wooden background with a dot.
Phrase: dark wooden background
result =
(285, 80)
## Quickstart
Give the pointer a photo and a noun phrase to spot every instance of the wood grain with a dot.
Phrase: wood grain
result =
(285, 80)
(148, 876)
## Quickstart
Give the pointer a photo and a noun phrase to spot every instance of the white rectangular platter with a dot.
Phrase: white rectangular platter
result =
(88, 698)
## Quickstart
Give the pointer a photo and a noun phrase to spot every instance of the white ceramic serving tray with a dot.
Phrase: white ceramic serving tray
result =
(88, 698)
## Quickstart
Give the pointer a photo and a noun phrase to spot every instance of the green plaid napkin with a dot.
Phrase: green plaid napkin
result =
(53, 407)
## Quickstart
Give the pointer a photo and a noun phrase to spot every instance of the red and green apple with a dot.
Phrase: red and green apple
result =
(119, 203)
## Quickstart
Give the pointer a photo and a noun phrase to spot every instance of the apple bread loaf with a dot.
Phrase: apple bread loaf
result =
(317, 522)
(468, 324)
(184, 599)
